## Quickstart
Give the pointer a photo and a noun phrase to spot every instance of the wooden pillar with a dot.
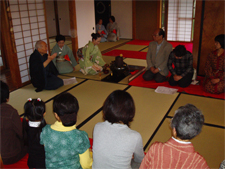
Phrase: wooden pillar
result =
(73, 27)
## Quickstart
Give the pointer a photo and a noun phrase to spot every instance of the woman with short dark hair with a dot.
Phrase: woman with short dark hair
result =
(214, 68)
(113, 30)
(114, 143)
(65, 60)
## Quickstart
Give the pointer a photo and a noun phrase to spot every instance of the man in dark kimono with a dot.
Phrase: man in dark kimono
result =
(43, 72)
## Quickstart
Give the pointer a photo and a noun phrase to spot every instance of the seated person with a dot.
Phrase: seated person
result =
(102, 31)
(182, 72)
(115, 145)
(64, 60)
(113, 30)
(214, 68)
(43, 72)
(66, 147)
(157, 57)
(12, 144)
(178, 151)
(91, 61)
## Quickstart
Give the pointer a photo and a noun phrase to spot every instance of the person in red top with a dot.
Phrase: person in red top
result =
(214, 68)
(178, 151)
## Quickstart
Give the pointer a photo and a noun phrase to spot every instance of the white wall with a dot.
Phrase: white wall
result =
(122, 10)
(85, 13)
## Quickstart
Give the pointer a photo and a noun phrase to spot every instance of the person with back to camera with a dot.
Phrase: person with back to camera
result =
(157, 57)
(113, 30)
(92, 62)
(65, 146)
(34, 111)
(215, 67)
(178, 151)
(101, 30)
(114, 143)
(64, 61)
(182, 72)
(12, 142)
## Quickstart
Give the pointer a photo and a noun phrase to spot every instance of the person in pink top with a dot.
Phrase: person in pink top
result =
(178, 151)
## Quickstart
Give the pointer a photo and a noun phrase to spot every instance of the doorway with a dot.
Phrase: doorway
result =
(103, 11)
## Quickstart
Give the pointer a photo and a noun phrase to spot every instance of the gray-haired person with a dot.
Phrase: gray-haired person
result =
(178, 151)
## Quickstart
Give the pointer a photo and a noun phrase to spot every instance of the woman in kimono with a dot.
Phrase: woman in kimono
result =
(214, 68)
(102, 31)
(64, 60)
(113, 30)
(91, 61)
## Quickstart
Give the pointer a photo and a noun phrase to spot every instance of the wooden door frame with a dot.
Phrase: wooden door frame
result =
(73, 27)
(10, 55)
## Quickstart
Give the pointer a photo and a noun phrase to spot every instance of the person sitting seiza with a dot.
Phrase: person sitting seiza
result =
(182, 72)
(64, 61)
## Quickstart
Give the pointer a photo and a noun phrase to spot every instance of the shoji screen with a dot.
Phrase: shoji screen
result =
(28, 21)
(180, 15)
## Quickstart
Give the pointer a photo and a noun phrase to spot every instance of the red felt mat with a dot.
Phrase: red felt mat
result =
(188, 45)
(20, 164)
(23, 162)
(192, 89)
(127, 54)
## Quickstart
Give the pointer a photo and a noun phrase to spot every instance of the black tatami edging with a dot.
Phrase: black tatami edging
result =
(156, 130)
(202, 96)
(61, 93)
(95, 113)
(206, 124)
(143, 49)
(66, 90)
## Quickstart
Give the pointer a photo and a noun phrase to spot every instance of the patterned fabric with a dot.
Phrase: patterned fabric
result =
(62, 149)
(62, 65)
(92, 58)
(112, 35)
(214, 68)
(173, 155)
(183, 66)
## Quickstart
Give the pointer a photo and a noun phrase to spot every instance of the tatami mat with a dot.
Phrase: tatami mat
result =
(90, 95)
(19, 97)
(145, 50)
(213, 109)
(79, 74)
(209, 143)
(131, 47)
(135, 62)
(106, 45)
(149, 111)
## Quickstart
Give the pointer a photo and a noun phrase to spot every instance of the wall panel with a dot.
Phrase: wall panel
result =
(28, 26)
(213, 25)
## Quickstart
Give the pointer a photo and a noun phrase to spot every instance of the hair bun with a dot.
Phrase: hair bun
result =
(93, 34)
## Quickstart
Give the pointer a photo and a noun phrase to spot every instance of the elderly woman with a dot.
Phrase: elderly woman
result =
(91, 61)
(64, 60)
(102, 31)
(214, 68)
(113, 30)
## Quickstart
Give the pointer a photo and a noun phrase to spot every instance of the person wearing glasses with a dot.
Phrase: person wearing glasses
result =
(157, 57)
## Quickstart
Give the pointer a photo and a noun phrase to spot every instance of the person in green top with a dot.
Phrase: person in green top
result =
(66, 147)
(64, 60)
(92, 62)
